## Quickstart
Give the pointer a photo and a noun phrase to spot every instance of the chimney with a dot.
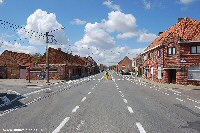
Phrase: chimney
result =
(59, 49)
(180, 19)
(159, 33)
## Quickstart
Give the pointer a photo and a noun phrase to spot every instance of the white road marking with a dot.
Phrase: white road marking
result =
(120, 92)
(80, 125)
(34, 87)
(18, 130)
(166, 94)
(83, 99)
(125, 101)
(61, 125)
(89, 93)
(130, 109)
(14, 92)
(140, 128)
(122, 95)
(197, 107)
(179, 99)
(74, 110)
(37, 91)
(175, 91)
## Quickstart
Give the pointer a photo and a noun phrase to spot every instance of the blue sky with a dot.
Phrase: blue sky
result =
(104, 29)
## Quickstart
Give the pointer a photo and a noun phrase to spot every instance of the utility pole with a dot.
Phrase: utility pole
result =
(47, 56)
(47, 51)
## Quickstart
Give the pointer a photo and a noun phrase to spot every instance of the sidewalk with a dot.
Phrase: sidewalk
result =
(6, 84)
(172, 86)
(187, 90)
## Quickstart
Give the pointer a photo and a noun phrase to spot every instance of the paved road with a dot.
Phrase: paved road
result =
(96, 105)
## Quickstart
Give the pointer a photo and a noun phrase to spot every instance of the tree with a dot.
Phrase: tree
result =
(37, 56)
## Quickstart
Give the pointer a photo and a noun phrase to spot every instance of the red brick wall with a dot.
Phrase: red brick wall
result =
(128, 64)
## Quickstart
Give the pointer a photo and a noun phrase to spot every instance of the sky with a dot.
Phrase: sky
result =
(106, 30)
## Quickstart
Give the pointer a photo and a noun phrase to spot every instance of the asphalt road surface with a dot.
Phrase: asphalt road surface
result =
(95, 105)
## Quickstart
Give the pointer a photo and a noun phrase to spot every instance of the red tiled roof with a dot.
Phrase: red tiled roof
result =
(188, 29)
(21, 59)
(59, 57)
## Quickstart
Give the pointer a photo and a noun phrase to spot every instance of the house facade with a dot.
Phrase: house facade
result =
(174, 57)
(125, 65)
(62, 66)
(14, 65)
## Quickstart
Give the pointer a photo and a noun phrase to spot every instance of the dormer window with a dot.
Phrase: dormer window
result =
(195, 50)
(171, 51)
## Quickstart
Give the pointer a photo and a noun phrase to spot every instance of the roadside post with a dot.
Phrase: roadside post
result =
(29, 74)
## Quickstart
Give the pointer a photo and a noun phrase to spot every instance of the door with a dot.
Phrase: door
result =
(173, 76)
(3, 72)
(23, 73)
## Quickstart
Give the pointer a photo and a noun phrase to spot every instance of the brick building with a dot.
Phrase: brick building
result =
(63, 66)
(139, 63)
(13, 65)
(125, 65)
(174, 56)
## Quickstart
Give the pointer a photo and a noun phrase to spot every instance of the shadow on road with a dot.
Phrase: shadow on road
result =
(187, 109)
(14, 102)
(193, 125)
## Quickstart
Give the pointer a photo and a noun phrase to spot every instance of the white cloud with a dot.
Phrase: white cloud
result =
(42, 22)
(147, 4)
(78, 22)
(134, 52)
(120, 22)
(186, 2)
(98, 40)
(1, 1)
(127, 35)
(112, 6)
(96, 36)
(146, 37)
(17, 47)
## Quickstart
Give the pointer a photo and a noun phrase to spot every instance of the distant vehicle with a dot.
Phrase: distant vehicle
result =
(127, 73)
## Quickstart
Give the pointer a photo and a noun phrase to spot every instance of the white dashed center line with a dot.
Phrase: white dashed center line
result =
(130, 109)
(197, 107)
(125, 101)
(140, 128)
(83, 99)
(89, 93)
(74, 110)
(179, 99)
(61, 125)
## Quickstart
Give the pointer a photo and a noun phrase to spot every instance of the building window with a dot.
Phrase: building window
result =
(172, 51)
(159, 53)
(159, 73)
(152, 55)
(195, 49)
(194, 73)
(53, 70)
(145, 57)
(14, 71)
